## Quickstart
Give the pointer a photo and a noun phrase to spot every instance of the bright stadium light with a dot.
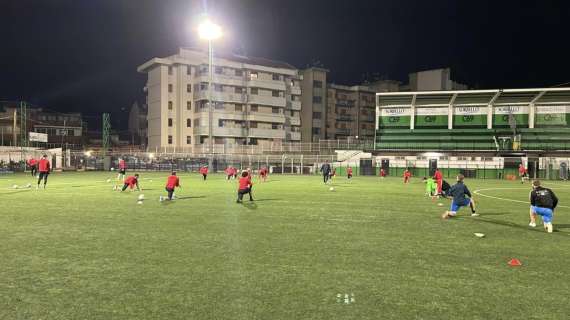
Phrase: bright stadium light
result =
(151, 155)
(209, 30)
(87, 153)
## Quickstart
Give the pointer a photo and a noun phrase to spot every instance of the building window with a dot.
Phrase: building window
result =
(170, 122)
(188, 123)
(275, 93)
(188, 139)
(189, 70)
(316, 115)
(239, 73)
(253, 91)
(317, 99)
(239, 107)
(219, 105)
(253, 124)
(203, 86)
(170, 88)
(218, 88)
(253, 108)
(219, 140)
(274, 110)
(316, 130)
(253, 141)
(202, 139)
(317, 84)
(276, 77)
(169, 139)
(188, 105)
(274, 126)
(188, 88)
(170, 71)
(238, 90)
(219, 70)
(253, 75)
(220, 123)
(170, 105)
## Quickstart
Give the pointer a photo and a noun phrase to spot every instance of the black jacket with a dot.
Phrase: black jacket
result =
(543, 197)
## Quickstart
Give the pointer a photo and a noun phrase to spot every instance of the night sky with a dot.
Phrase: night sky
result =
(81, 55)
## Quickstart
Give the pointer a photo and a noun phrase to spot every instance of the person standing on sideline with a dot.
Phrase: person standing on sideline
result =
(349, 173)
(407, 176)
(44, 168)
(204, 172)
(244, 186)
(326, 171)
(33, 164)
(438, 177)
(543, 201)
(522, 173)
(171, 183)
(122, 169)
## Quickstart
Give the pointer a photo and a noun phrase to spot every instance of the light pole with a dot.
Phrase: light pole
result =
(210, 31)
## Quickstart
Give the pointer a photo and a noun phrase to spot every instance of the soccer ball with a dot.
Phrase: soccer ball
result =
(139, 202)
(141, 197)
(108, 180)
(29, 185)
(15, 186)
(161, 198)
(440, 204)
(331, 188)
(112, 169)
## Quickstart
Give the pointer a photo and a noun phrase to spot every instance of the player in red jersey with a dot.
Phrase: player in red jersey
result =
(122, 169)
(349, 173)
(438, 177)
(382, 173)
(44, 168)
(244, 186)
(131, 182)
(33, 165)
(204, 172)
(523, 173)
(263, 172)
(171, 183)
(407, 176)
(229, 172)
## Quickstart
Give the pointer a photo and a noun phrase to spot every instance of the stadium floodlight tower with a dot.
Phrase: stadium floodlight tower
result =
(210, 31)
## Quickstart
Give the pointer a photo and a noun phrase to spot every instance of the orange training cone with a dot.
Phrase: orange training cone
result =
(515, 263)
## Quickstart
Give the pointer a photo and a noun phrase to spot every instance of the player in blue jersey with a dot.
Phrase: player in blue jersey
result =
(461, 198)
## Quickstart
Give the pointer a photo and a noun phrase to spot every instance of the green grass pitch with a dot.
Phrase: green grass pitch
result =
(79, 250)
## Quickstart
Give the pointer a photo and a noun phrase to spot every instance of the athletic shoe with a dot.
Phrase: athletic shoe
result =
(532, 224)
(474, 214)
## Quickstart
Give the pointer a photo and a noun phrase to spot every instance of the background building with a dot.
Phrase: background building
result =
(314, 101)
(138, 127)
(350, 112)
(256, 101)
(432, 80)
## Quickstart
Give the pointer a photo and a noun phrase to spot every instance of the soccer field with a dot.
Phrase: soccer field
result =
(370, 249)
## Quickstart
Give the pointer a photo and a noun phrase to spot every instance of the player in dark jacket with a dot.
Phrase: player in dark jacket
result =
(326, 171)
(461, 198)
(543, 201)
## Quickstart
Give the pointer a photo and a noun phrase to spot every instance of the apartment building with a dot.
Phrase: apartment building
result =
(255, 101)
(350, 112)
(314, 101)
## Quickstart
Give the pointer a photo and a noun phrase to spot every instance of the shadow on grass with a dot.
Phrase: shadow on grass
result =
(495, 213)
(261, 200)
(562, 226)
(521, 227)
(251, 205)
(190, 197)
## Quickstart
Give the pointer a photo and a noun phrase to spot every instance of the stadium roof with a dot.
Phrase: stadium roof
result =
(474, 97)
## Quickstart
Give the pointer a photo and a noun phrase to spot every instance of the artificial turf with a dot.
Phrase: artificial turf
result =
(79, 250)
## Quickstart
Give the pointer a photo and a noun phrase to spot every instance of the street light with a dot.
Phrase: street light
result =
(210, 31)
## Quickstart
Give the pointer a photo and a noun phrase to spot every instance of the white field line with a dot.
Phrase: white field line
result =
(478, 192)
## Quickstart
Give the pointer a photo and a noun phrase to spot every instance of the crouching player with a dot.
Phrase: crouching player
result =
(171, 183)
(542, 202)
(131, 182)
(245, 185)
(461, 198)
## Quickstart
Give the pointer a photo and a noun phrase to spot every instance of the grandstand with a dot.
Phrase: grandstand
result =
(474, 129)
